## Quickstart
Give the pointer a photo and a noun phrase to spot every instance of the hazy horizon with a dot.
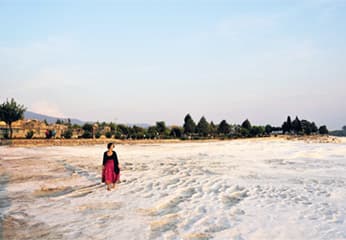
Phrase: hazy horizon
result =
(146, 61)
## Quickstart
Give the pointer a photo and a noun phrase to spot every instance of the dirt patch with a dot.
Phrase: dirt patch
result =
(52, 192)
(100, 206)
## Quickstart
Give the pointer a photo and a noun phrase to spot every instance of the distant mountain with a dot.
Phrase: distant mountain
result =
(50, 119)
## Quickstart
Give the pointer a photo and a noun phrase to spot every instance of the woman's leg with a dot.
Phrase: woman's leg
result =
(108, 186)
(117, 179)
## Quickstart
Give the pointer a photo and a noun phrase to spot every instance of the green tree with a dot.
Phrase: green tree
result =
(87, 127)
(323, 129)
(246, 124)
(112, 126)
(306, 127)
(314, 128)
(123, 130)
(176, 132)
(152, 132)
(161, 128)
(212, 128)
(88, 130)
(11, 111)
(296, 125)
(289, 124)
(68, 133)
(284, 127)
(244, 132)
(202, 127)
(256, 131)
(262, 130)
(103, 125)
(189, 125)
(76, 126)
(268, 129)
(237, 132)
(224, 128)
(138, 132)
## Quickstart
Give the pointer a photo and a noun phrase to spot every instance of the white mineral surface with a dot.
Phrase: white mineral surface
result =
(241, 189)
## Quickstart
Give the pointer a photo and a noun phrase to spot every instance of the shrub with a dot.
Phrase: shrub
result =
(117, 135)
(108, 134)
(6, 135)
(87, 134)
(97, 135)
(67, 134)
(29, 134)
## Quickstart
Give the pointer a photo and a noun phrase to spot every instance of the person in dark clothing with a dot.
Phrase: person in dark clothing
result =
(110, 167)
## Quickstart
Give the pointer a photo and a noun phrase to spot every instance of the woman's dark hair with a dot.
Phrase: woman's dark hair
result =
(109, 145)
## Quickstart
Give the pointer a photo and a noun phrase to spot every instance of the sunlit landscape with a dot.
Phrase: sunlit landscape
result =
(241, 189)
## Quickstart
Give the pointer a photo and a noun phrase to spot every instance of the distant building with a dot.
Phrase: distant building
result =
(22, 127)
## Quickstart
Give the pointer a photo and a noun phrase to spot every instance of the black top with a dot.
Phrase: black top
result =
(112, 157)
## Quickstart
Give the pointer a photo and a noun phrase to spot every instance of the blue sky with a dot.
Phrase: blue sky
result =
(142, 61)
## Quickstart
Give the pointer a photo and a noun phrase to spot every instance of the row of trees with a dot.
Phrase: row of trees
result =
(224, 130)
(204, 129)
(302, 127)
(201, 129)
(190, 130)
(10, 111)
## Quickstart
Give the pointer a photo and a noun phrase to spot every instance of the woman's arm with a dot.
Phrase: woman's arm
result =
(116, 163)
(104, 159)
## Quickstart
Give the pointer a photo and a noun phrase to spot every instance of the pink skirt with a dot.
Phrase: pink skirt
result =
(108, 174)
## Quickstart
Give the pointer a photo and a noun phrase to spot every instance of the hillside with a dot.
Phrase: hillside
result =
(50, 119)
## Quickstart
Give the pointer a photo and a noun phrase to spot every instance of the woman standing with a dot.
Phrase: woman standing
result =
(110, 168)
